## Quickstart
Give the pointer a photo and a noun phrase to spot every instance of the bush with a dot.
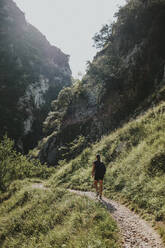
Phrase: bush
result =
(15, 166)
(157, 164)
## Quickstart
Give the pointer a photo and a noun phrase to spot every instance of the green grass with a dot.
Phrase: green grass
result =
(135, 159)
(53, 217)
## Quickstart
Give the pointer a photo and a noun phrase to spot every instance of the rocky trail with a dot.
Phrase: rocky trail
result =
(135, 232)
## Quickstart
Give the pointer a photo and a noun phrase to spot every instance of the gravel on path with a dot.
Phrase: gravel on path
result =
(136, 232)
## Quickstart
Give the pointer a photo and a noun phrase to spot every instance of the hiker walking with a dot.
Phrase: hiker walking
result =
(98, 172)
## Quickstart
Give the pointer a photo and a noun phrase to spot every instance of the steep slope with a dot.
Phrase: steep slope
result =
(32, 72)
(125, 72)
(135, 159)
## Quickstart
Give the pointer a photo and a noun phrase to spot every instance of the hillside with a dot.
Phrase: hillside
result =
(32, 72)
(135, 159)
(119, 83)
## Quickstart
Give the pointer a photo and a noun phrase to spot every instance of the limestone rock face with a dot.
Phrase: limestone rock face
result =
(72, 118)
(124, 75)
(32, 73)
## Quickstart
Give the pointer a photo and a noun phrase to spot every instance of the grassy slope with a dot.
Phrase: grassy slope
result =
(53, 217)
(135, 160)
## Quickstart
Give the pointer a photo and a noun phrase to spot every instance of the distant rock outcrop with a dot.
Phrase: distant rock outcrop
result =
(32, 73)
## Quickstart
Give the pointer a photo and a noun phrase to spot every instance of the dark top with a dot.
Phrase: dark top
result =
(99, 168)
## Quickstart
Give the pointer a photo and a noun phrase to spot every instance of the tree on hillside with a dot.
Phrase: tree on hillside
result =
(104, 36)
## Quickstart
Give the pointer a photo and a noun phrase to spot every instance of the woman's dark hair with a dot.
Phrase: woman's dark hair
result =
(98, 157)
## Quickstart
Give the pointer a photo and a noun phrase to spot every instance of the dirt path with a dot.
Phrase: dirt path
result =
(136, 232)
(39, 186)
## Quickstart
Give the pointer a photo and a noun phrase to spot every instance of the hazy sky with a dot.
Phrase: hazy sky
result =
(71, 24)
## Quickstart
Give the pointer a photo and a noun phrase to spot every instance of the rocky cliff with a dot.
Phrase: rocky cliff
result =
(125, 73)
(32, 73)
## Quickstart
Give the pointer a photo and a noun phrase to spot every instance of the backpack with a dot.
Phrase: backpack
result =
(100, 168)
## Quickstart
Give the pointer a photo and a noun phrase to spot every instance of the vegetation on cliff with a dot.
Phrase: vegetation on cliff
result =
(127, 70)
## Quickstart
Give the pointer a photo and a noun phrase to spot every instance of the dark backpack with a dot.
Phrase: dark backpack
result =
(100, 168)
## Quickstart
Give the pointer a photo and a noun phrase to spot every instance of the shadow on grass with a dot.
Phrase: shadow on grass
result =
(109, 206)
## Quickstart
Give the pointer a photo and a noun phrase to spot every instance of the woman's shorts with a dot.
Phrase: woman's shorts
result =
(98, 177)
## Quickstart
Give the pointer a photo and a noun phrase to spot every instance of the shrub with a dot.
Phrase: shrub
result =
(157, 164)
(15, 166)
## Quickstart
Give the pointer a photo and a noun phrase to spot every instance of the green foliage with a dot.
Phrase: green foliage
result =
(65, 97)
(14, 166)
(51, 217)
(134, 157)
(77, 145)
(157, 164)
(134, 28)
(103, 37)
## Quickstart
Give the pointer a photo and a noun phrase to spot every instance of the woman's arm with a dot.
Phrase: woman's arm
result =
(93, 170)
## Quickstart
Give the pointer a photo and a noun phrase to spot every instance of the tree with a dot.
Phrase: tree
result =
(104, 36)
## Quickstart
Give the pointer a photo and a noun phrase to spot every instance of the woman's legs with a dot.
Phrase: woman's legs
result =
(101, 187)
(96, 187)
(100, 190)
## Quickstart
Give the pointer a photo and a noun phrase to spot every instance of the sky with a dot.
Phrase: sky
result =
(71, 24)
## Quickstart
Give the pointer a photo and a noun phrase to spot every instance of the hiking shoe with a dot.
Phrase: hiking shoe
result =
(97, 194)
(100, 197)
